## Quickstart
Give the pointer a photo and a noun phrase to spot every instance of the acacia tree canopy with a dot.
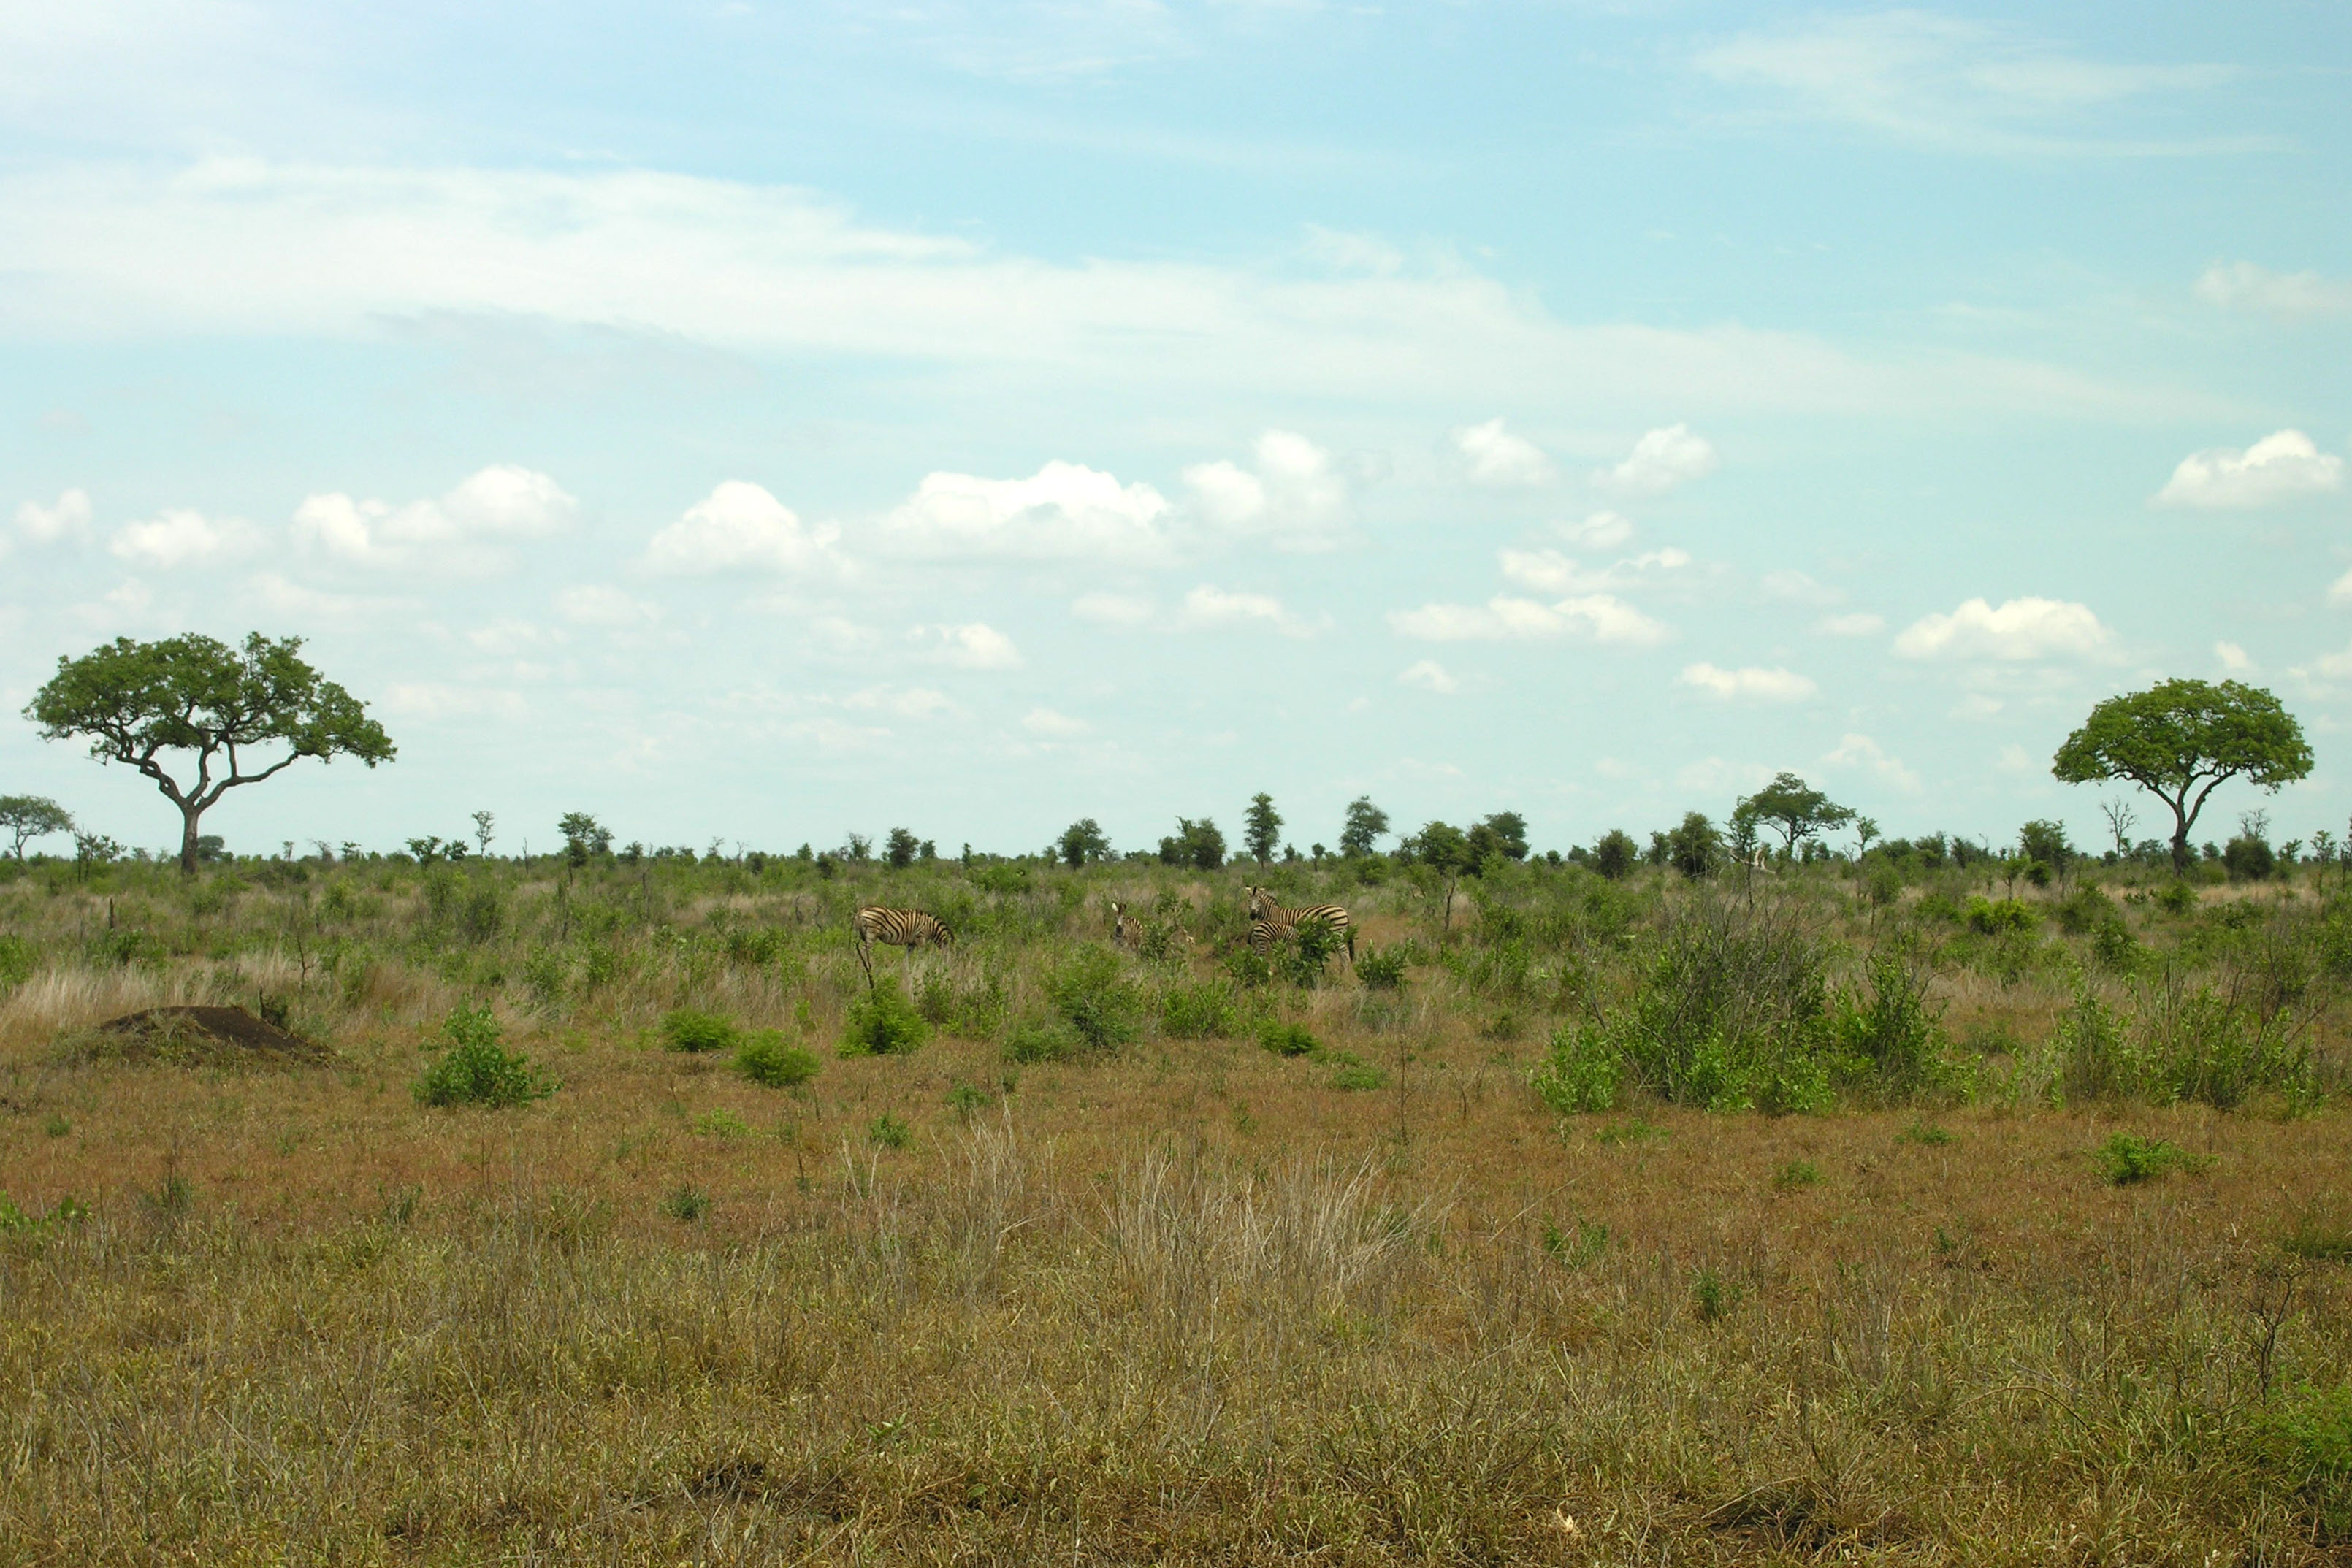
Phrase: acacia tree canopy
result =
(2179, 740)
(32, 816)
(1794, 807)
(136, 701)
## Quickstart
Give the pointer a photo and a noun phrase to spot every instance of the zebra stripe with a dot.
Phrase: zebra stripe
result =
(1270, 921)
(908, 929)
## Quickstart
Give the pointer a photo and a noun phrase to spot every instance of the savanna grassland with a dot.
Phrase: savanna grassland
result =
(1851, 1214)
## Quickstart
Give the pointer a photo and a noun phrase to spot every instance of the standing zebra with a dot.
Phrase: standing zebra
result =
(908, 929)
(1126, 930)
(1270, 921)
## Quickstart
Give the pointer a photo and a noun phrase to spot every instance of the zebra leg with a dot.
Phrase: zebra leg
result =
(865, 950)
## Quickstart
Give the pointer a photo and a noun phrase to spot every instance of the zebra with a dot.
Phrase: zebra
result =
(1270, 921)
(1126, 930)
(908, 929)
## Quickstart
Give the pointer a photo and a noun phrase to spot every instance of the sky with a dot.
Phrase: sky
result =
(755, 423)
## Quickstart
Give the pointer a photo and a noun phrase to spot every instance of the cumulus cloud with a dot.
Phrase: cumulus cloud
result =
(1052, 725)
(905, 701)
(1661, 460)
(2018, 631)
(178, 539)
(1549, 571)
(1796, 588)
(974, 645)
(1292, 497)
(1208, 606)
(1860, 623)
(2278, 467)
(1861, 752)
(1752, 682)
(610, 608)
(1601, 530)
(2288, 295)
(2233, 658)
(457, 533)
(46, 525)
(431, 701)
(1495, 456)
(1112, 608)
(1600, 617)
(738, 527)
(1428, 675)
(1065, 511)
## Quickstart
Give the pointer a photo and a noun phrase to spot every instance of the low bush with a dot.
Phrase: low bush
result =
(1797, 1176)
(1092, 991)
(474, 1069)
(1041, 1040)
(684, 1028)
(1998, 917)
(2127, 1158)
(1352, 1074)
(1285, 1039)
(887, 1131)
(1382, 970)
(1582, 1071)
(1198, 1010)
(2304, 1439)
(766, 1060)
(883, 1022)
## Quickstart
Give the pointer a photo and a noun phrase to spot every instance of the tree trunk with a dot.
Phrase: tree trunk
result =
(2180, 846)
(189, 817)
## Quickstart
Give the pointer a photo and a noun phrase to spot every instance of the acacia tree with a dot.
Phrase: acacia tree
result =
(1081, 841)
(2180, 740)
(1792, 806)
(136, 701)
(32, 816)
(1365, 824)
(1262, 827)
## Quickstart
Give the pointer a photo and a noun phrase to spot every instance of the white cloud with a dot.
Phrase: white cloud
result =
(1773, 685)
(284, 596)
(1428, 675)
(2233, 658)
(2018, 631)
(1601, 530)
(1600, 616)
(1064, 511)
(2323, 675)
(1953, 84)
(1861, 624)
(1549, 571)
(1861, 751)
(905, 701)
(431, 701)
(1978, 705)
(1496, 457)
(2013, 759)
(1208, 606)
(1714, 776)
(2288, 295)
(1112, 608)
(45, 524)
(590, 604)
(1046, 722)
(456, 533)
(2278, 467)
(1796, 588)
(740, 526)
(1661, 460)
(971, 646)
(179, 537)
(1294, 498)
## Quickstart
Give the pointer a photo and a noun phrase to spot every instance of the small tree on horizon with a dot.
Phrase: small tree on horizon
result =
(1363, 828)
(2180, 740)
(1197, 844)
(135, 701)
(900, 848)
(1262, 827)
(1793, 807)
(32, 816)
(1083, 841)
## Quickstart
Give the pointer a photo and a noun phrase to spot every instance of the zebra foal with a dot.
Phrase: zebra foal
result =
(908, 929)
(1270, 921)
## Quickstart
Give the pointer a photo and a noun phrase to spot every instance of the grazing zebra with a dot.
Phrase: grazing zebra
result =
(1126, 930)
(908, 929)
(1270, 921)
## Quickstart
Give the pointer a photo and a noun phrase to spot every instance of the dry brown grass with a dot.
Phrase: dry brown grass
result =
(1191, 1304)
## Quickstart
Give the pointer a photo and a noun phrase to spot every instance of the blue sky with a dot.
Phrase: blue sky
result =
(760, 423)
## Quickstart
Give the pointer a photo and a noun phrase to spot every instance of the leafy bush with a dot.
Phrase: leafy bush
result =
(1039, 1039)
(1248, 969)
(888, 1132)
(1310, 947)
(2177, 898)
(1926, 1136)
(2127, 1158)
(686, 1203)
(883, 1022)
(1091, 989)
(721, 1123)
(766, 1060)
(1198, 1010)
(1352, 1074)
(474, 1069)
(1891, 1038)
(2305, 1439)
(683, 1028)
(1584, 1071)
(1285, 1039)
(1998, 917)
(1383, 970)
(2248, 859)
(1796, 1176)
(15, 962)
(1731, 1014)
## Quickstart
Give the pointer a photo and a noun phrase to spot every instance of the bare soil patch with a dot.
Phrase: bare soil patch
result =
(195, 1036)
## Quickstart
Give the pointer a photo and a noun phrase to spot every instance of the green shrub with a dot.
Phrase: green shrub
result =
(1636, 1131)
(1041, 1040)
(1352, 1074)
(1926, 1136)
(1198, 1010)
(15, 962)
(2305, 1440)
(2127, 1158)
(1796, 1176)
(1308, 952)
(2318, 1242)
(685, 1204)
(963, 1099)
(684, 1028)
(2177, 898)
(1998, 917)
(1285, 1039)
(1583, 1070)
(1248, 969)
(721, 1123)
(474, 1069)
(1715, 1296)
(883, 1022)
(1891, 1038)
(1092, 991)
(888, 1132)
(1382, 970)
(766, 1060)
